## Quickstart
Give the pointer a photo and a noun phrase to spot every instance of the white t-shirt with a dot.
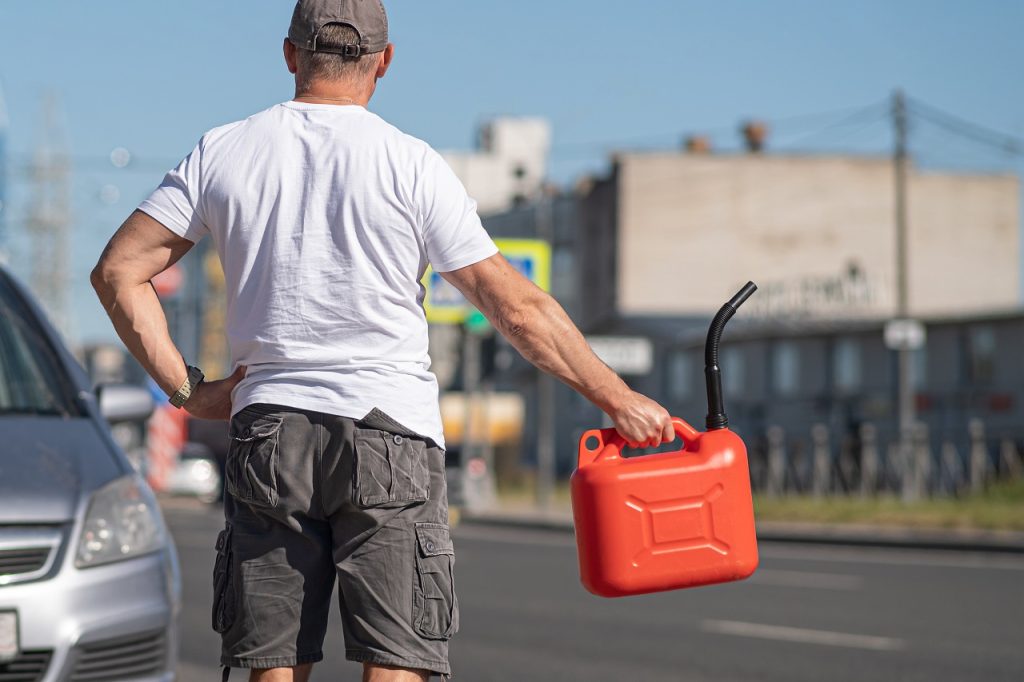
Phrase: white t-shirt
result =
(325, 218)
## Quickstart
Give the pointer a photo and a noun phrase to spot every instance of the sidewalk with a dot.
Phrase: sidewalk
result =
(560, 520)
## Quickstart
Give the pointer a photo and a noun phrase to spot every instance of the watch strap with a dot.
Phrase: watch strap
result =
(194, 378)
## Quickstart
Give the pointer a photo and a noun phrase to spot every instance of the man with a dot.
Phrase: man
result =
(325, 218)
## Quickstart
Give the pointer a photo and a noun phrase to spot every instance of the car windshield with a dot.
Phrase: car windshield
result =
(31, 378)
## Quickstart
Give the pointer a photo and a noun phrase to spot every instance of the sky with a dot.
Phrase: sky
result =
(152, 77)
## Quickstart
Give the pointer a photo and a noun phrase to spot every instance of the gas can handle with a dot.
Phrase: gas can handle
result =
(609, 443)
(686, 432)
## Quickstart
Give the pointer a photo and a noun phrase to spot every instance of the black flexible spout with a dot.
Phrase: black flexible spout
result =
(717, 418)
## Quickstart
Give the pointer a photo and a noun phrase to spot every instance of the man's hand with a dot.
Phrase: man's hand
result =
(212, 399)
(642, 422)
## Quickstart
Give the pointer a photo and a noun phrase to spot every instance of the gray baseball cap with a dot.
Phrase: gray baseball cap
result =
(367, 17)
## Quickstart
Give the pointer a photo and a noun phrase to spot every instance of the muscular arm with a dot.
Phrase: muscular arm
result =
(537, 326)
(141, 249)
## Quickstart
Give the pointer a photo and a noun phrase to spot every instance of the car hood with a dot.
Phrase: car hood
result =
(47, 464)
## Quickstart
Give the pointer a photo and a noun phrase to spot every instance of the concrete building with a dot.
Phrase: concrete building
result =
(651, 251)
(509, 166)
(682, 232)
(841, 375)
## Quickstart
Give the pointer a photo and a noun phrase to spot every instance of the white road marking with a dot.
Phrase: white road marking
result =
(801, 635)
(807, 580)
(893, 557)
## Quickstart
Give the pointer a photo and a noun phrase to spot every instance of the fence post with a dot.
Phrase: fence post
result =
(1010, 459)
(868, 460)
(892, 473)
(922, 461)
(776, 461)
(978, 455)
(822, 462)
(846, 466)
(952, 468)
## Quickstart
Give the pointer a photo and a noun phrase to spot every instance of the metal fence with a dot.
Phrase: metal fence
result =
(863, 464)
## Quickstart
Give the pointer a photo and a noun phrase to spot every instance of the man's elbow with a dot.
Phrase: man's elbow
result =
(104, 280)
(523, 318)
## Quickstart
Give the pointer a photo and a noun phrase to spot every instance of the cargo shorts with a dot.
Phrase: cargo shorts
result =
(311, 498)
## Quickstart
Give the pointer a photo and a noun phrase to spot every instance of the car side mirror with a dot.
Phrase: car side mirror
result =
(124, 402)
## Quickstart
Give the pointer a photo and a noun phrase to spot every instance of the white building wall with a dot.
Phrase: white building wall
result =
(816, 233)
(510, 162)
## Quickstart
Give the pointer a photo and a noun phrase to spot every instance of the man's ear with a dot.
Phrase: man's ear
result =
(385, 62)
(291, 56)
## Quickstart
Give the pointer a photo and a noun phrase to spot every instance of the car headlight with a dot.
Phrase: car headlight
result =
(122, 522)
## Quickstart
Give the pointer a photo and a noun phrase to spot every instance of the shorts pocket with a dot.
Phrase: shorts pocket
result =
(223, 615)
(251, 466)
(390, 470)
(435, 608)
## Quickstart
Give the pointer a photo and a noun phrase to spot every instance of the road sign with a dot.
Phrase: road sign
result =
(444, 304)
(624, 354)
(531, 257)
(477, 323)
(904, 334)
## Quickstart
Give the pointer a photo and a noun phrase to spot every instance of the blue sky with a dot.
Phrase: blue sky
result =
(152, 77)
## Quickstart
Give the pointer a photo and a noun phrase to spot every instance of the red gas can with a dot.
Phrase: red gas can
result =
(664, 521)
(669, 520)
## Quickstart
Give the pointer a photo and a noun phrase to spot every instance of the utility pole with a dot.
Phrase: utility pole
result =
(546, 404)
(49, 217)
(904, 379)
(5, 208)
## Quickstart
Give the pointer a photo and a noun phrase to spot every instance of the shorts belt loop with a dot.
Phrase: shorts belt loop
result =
(225, 674)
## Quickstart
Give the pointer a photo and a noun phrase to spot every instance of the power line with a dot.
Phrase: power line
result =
(862, 118)
(778, 123)
(965, 128)
(94, 163)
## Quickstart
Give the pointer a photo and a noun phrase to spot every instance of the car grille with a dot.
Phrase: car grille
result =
(29, 666)
(23, 560)
(119, 659)
(27, 552)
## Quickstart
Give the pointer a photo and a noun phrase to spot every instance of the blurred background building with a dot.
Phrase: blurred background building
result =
(644, 255)
(509, 165)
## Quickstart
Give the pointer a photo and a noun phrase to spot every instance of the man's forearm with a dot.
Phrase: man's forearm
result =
(542, 332)
(139, 320)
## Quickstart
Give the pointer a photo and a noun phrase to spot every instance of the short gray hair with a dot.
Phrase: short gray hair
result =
(328, 65)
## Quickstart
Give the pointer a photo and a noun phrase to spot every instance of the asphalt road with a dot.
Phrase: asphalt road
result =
(809, 613)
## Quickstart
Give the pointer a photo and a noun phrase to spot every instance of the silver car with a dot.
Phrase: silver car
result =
(89, 581)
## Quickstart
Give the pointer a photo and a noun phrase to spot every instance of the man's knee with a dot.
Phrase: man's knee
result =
(298, 673)
(373, 672)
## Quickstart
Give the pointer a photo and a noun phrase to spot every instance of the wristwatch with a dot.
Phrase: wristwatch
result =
(194, 378)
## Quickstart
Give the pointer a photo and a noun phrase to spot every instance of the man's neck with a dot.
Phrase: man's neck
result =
(318, 93)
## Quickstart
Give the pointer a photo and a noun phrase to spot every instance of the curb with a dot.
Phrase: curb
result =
(811, 534)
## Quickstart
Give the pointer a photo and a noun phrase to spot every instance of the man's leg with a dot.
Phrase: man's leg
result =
(275, 570)
(386, 673)
(392, 548)
(299, 673)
